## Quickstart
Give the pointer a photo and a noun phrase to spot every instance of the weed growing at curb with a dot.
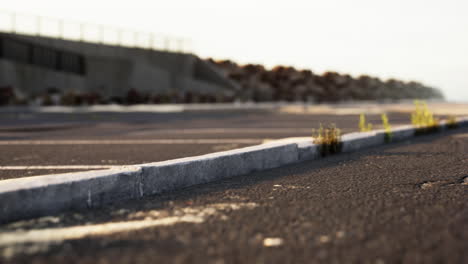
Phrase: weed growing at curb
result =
(423, 119)
(452, 122)
(387, 127)
(328, 139)
(363, 125)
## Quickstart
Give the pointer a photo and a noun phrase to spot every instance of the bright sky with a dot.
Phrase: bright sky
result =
(422, 40)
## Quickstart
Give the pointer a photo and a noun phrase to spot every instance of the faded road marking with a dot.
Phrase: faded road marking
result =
(132, 141)
(225, 130)
(62, 167)
(19, 241)
(76, 232)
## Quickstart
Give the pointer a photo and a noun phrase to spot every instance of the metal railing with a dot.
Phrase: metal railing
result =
(14, 22)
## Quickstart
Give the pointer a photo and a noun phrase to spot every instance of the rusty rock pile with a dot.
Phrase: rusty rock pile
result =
(289, 84)
(256, 84)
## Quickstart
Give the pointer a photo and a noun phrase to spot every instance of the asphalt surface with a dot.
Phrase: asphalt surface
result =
(108, 139)
(399, 203)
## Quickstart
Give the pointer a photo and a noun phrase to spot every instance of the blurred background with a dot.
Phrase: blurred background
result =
(57, 53)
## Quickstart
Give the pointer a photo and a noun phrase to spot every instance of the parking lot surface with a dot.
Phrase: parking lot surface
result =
(399, 203)
(36, 143)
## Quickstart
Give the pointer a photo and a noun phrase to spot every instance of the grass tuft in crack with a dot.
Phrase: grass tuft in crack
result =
(387, 127)
(452, 122)
(329, 139)
(423, 119)
(363, 125)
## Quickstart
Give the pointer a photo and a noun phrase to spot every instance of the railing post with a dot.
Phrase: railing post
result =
(60, 28)
(101, 34)
(166, 43)
(82, 29)
(13, 23)
(38, 26)
(181, 45)
(119, 37)
(135, 39)
(151, 42)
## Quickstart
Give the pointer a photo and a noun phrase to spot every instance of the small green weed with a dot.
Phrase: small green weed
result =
(387, 127)
(363, 125)
(452, 122)
(329, 139)
(423, 119)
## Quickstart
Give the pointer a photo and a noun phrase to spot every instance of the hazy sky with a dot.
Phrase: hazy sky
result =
(422, 40)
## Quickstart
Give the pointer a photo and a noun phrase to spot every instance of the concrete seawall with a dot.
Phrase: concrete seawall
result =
(111, 70)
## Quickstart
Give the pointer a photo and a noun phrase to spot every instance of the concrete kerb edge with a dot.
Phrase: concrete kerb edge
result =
(49, 194)
(171, 175)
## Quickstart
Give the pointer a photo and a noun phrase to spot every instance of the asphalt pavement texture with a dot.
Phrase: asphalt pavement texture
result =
(399, 203)
(78, 139)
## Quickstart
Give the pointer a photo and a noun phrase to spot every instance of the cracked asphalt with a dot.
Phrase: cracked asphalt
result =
(399, 203)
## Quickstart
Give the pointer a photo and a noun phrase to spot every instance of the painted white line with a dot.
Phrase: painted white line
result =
(60, 167)
(76, 232)
(261, 130)
(196, 215)
(132, 141)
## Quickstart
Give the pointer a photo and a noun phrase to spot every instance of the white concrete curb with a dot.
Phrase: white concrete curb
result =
(49, 194)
